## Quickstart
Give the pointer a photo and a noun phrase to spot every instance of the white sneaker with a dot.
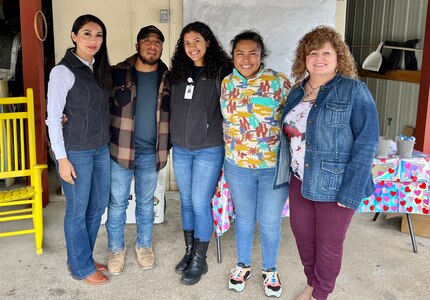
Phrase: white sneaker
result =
(238, 276)
(272, 284)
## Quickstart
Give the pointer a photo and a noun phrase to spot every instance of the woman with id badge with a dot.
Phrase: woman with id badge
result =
(198, 65)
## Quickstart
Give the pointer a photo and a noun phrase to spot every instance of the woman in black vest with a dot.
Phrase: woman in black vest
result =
(198, 65)
(79, 87)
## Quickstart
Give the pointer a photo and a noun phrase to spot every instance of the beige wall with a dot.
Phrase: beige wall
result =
(123, 19)
(340, 16)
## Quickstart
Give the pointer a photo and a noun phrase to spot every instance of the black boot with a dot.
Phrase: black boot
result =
(182, 266)
(198, 265)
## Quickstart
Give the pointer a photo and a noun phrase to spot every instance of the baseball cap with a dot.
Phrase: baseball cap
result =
(143, 33)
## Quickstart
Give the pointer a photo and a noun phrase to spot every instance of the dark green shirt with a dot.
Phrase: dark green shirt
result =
(145, 132)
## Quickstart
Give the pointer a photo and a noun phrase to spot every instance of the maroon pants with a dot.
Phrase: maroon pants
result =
(319, 229)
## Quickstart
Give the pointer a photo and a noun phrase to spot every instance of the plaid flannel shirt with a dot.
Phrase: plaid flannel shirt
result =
(123, 103)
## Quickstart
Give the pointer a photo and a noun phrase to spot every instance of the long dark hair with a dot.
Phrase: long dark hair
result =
(101, 65)
(215, 57)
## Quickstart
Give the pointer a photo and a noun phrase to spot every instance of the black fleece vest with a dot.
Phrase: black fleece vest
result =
(87, 108)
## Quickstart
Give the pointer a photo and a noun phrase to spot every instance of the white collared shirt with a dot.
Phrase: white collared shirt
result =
(61, 80)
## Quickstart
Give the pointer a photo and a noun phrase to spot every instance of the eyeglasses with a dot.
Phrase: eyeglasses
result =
(149, 42)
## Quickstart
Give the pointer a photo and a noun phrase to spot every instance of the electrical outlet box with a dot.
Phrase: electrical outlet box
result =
(164, 16)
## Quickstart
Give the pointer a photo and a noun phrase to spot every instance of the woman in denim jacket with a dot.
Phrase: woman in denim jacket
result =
(330, 136)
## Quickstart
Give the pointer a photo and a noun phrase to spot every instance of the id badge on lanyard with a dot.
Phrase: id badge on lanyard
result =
(189, 92)
(189, 89)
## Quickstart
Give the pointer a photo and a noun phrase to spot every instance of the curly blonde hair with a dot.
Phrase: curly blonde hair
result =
(315, 40)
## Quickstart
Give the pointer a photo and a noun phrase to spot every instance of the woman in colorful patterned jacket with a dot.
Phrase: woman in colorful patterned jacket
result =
(252, 98)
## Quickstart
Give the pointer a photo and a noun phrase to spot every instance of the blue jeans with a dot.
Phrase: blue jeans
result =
(146, 175)
(197, 173)
(255, 200)
(86, 202)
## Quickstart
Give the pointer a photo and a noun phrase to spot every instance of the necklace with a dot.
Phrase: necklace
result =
(313, 89)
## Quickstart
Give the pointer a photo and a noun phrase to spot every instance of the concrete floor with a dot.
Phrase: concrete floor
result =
(378, 264)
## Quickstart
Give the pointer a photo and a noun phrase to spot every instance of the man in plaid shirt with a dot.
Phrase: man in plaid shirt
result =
(139, 144)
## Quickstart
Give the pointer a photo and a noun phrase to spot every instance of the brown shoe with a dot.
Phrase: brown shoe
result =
(101, 267)
(97, 278)
(146, 258)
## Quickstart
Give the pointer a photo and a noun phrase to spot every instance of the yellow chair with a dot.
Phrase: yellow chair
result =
(18, 159)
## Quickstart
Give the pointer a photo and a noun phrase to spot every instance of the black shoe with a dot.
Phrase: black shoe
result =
(198, 265)
(182, 266)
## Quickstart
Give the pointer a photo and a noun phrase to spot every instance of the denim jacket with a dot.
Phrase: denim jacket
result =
(342, 135)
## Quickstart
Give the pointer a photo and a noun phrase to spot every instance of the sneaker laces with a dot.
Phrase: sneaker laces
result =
(271, 279)
(238, 274)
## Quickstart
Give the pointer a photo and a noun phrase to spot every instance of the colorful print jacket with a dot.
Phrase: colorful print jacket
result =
(252, 111)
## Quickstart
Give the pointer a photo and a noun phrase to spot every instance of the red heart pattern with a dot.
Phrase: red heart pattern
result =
(403, 197)
(222, 207)
(399, 188)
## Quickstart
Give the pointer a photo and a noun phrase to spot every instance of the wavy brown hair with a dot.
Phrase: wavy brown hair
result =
(315, 40)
